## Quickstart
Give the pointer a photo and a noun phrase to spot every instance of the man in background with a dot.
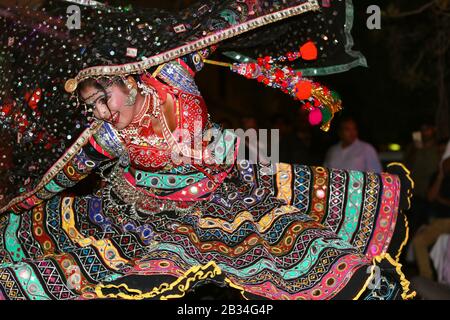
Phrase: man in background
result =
(351, 153)
(422, 158)
(439, 197)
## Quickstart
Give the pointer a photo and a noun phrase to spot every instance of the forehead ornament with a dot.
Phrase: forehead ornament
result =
(71, 85)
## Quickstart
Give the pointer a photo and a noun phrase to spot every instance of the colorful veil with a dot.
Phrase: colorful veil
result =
(40, 124)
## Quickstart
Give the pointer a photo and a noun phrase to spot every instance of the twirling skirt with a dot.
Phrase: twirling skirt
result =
(299, 233)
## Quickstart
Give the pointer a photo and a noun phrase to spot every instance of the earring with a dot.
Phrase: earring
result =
(132, 91)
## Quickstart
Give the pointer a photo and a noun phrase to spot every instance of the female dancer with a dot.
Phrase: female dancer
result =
(176, 208)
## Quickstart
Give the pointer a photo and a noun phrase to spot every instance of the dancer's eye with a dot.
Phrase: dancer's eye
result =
(105, 99)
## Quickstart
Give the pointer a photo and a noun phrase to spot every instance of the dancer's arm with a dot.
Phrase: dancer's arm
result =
(100, 147)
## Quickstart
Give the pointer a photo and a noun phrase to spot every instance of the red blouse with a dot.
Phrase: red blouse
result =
(149, 151)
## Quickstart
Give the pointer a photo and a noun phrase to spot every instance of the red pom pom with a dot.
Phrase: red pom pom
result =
(304, 89)
(309, 51)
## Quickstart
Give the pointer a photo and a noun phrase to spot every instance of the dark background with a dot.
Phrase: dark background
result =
(405, 84)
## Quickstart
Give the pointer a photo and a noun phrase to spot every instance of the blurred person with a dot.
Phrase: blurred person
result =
(252, 147)
(294, 146)
(445, 163)
(310, 153)
(439, 197)
(249, 122)
(350, 153)
(303, 127)
(422, 157)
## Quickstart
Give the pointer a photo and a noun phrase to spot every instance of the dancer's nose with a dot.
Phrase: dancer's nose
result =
(101, 111)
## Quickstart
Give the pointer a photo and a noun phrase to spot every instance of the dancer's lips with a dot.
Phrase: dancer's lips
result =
(115, 118)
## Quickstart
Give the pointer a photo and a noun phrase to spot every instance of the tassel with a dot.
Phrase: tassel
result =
(320, 102)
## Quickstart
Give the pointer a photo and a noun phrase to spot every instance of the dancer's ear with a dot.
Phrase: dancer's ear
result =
(132, 91)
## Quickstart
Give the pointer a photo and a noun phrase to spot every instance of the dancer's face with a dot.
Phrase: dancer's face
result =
(109, 104)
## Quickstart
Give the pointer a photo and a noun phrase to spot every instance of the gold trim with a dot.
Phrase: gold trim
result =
(158, 70)
(403, 281)
(58, 166)
(406, 295)
(408, 176)
(139, 67)
(199, 273)
(328, 100)
(235, 286)
(218, 63)
(366, 284)
(400, 250)
(262, 225)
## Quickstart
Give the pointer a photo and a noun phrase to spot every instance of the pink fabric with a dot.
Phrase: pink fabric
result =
(440, 255)
(387, 216)
(446, 266)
